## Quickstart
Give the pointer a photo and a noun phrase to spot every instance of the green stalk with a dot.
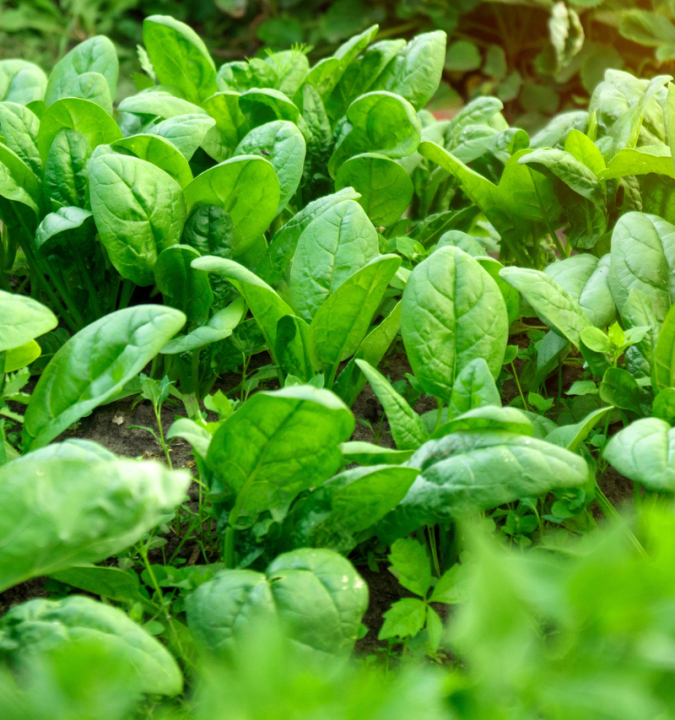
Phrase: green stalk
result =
(610, 512)
(88, 283)
(127, 291)
(228, 547)
(520, 390)
(431, 531)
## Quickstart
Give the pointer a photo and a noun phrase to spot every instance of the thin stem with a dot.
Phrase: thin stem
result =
(431, 532)
(611, 513)
(88, 283)
(228, 547)
(520, 390)
(439, 414)
(127, 291)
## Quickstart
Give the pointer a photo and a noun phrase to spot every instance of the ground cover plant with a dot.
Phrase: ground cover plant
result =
(403, 362)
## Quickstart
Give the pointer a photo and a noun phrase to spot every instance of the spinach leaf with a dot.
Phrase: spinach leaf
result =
(21, 82)
(66, 178)
(185, 132)
(277, 445)
(139, 211)
(158, 151)
(452, 313)
(19, 126)
(183, 287)
(93, 365)
(22, 320)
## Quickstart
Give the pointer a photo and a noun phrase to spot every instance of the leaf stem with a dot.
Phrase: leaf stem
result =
(520, 390)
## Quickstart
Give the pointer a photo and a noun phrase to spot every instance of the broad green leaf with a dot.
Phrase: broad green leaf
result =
(452, 313)
(405, 424)
(161, 103)
(350, 503)
(160, 152)
(182, 286)
(230, 128)
(474, 388)
(637, 312)
(84, 116)
(571, 436)
(509, 293)
(39, 629)
(377, 122)
(264, 105)
(91, 86)
(640, 161)
(22, 319)
(415, 73)
(365, 453)
(247, 188)
(664, 353)
(196, 435)
(386, 189)
(21, 82)
(373, 348)
(66, 178)
(20, 357)
(664, 405)
(509, 466)
(317, 594)
(209, 230)
(139, 211)
(185, 132)
(619, 388)
(478, 111)
(19, 127)
(585, 278)
(179, 57)
(569, 170)
(487, 418)
(265, 305)
(552, 303)
(585, 151)
(220, 326)
(17, 182)
(281, 143)
(410, 565)
(75, 502)
(277, 445)
(643, 258)
(342, 322)
(108, 582)
(645, 452)
(291, 348)
(338, 243)
(93, 365)
(95, 55)
(282, 247)
(68, 228)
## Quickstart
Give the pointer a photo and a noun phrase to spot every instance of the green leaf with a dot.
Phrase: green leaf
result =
(580, 146)
(183, 287)
(452, 313)
(474, 388)
(410, 565)
(586, 280)
(264, 105)
(69, 229)
(95, 55)
(50, 491)
(664, 353)
(197, 436)
(284, 243)
(405, 424)
(91, 86)
(19, 126)
(230, 128)
(462, 56)
(664, 405)
(377, 122)
(646, 28)
(163, 104)
(247, 188)
(84, 116)
(487, 418)
(510, 294)
(567, 33)
(386, 189)
(342, 322)
(291, 348)
(277, 445)
(405, 618)
(139, 212)
(329, 251)
(643, 258)
(640, 161)
(550, 301)
(22, 319)
(20, 357)
(451, 588)
(415, 73)
(219, 327)
(643, 452)
(571, 436)
(179, 57)
(282, 144)
(185, 132)
(17, 182)
(158, 151)
(42, 628)
(373, 348)
(619, 388)
(66, 178)
(93, 365)
(317, 594)
(21, 82)
(596, 340)
(107, 582)
(266, 306)
(365, 453)
(350, 503)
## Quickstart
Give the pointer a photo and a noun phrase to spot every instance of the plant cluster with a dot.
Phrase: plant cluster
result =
(321, 221)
